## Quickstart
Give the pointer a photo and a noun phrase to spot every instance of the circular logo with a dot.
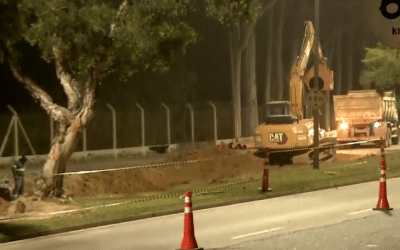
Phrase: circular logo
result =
(383, 18)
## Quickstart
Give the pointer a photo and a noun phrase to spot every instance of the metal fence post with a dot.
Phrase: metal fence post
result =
(114, 129)
(16, 151)
(215, 121)
(191, 121)
(18, 122)
(168, 125)
(143, 131)
(7, 134)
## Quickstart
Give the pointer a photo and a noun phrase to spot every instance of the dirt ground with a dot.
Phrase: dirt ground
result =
(235, 164)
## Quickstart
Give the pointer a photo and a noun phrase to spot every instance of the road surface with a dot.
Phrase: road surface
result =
(378, 232)
(231, 225)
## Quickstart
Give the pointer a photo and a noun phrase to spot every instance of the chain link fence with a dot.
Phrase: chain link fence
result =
(117, 128)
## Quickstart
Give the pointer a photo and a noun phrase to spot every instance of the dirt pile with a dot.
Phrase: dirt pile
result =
(34, 206)
(163, 177)
(4, 205)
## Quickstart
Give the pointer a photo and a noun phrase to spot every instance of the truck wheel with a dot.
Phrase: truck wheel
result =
(395, 140)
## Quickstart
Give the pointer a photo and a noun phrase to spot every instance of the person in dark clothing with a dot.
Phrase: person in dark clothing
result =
(18, 171)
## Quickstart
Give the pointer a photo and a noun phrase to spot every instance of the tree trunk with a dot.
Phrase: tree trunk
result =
(245, 89)
(350, 62)
(338, 85)
(249, 86)
(268, 70)
(59, 154)
(236, 58)
(281, 83)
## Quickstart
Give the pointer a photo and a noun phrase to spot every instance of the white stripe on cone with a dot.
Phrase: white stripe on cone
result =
(188, 210)
(383, 179)
(382, 171)
(187, 199)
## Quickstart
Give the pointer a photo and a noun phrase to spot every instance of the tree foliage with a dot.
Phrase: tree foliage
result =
(231, 12)
(145, 33)
(382, 68)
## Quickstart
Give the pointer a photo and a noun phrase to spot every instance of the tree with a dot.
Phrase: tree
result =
(382, 68)
(89, 41)
(240, 16)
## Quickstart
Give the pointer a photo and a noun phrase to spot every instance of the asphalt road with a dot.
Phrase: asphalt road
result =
(377, 232)
(236, 224)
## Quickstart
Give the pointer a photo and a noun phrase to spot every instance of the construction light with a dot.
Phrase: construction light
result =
(377, 124)
(344, 126)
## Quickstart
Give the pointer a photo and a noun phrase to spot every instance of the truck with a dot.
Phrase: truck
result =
(367, 115)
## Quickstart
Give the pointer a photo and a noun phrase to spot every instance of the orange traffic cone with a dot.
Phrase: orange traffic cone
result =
(189, 241)
(383, 203)
(265, 181)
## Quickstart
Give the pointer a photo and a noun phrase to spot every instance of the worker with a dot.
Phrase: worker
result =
(18, 171)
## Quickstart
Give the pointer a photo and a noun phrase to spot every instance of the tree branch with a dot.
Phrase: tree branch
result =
(89, 98)
(58, 113)
(64, 74)
(119, 13)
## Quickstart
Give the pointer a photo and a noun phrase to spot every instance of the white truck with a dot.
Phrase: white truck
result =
(366, 115)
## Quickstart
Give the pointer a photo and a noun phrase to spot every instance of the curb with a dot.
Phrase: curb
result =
(169, 212)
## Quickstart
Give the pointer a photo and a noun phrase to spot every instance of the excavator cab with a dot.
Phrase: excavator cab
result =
(278, 112)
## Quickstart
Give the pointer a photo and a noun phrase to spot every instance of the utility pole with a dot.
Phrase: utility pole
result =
(316, 84)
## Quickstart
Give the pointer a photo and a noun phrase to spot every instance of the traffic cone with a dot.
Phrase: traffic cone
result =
(383, 203)
(265, 181)
(189, 241)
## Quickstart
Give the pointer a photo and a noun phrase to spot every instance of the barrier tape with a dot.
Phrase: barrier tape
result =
(144, 166)
(202, 160)
(322, 147)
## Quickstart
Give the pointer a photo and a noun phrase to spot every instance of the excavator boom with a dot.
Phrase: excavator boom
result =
(298, 69)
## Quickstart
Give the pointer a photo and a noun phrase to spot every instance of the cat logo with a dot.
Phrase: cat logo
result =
(279, 138)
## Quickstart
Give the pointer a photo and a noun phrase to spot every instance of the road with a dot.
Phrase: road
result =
(377, 232)
(235, 224)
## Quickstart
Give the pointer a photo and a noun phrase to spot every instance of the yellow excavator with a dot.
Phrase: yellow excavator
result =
(285, 131)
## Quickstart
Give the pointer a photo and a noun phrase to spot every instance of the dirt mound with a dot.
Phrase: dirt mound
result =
(4, 205)
(163, 177)
(34, 206)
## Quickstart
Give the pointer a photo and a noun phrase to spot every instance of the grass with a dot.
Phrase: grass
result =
(286, 180)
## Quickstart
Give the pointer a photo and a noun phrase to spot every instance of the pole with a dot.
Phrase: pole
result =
(114, 129)
(142, 123)
(215, 121)
(328, 110)
(25, 135)
(191, 122)
(168, 125)
(7, 134)
(316, 83)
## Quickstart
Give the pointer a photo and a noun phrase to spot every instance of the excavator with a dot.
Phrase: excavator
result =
(285, 131)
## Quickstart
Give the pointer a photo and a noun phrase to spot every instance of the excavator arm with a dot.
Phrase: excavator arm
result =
(298, 69)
